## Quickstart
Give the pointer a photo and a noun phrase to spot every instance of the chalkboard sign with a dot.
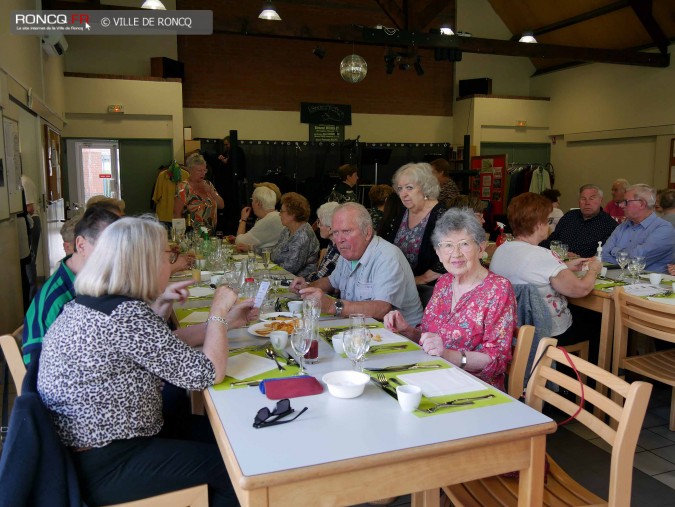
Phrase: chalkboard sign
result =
(327, 133)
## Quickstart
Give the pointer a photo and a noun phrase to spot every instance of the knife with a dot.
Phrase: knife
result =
(245, 383)
(405, 367)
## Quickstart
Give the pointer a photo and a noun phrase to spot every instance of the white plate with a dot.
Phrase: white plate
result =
(664, 278)
(667, 301)
(201, 292)
(256, 328)
(181, 275)
(273, 316)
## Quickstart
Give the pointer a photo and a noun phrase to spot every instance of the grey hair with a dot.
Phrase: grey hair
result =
(421, 174)
(363, 219)
(590, 186)
(126, 260)
(194, 159)
(623, 182)
(266, 197)
(326, 211)
(456, 220)
(644, 192)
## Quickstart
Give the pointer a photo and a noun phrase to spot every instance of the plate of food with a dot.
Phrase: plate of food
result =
(276, 316)
(263, 329)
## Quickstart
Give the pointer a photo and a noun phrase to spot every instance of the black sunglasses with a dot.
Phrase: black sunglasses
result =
(265, 417)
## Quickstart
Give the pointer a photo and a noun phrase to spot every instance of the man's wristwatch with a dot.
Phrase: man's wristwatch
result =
(339, 306)
(462, 364)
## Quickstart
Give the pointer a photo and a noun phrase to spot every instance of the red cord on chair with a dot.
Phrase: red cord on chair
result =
(583, 400)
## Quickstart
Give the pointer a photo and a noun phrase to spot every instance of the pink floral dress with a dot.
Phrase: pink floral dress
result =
(483, 321)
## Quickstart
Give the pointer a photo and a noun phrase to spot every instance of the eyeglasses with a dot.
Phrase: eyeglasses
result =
(173, 256)
(625, 202)
(265, 417)
(449, 247)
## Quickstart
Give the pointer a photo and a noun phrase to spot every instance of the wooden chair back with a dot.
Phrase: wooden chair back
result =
(12, 353)
(648, 317)
(518, 366)
(626, 414)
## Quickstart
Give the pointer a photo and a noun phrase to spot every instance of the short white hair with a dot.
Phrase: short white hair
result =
(422, 175)
(325, 213)
(266, 197)
(126, 260)
(644, 192)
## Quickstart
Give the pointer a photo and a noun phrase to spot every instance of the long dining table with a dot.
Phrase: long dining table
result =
(349, 451)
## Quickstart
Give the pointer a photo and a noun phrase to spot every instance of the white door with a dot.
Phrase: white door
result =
(98, 171)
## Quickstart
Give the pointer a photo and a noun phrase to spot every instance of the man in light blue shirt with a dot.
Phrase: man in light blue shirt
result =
(643, 233)
(372, 275)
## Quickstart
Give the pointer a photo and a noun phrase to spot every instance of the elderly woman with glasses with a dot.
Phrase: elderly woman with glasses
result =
(471, 316)
(197, 200)
(418, 189)
(104, 359)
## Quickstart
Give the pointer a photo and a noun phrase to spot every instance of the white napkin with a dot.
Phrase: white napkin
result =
(200, 292)
(642, 289)
(442, 382)
(247, 365)
(667, 301)
(385, 336)
(195, 318)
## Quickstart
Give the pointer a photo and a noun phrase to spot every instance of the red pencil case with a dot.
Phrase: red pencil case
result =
(291, 387)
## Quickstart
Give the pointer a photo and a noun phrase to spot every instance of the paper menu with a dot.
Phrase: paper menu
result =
(443, 382)
(642, 289)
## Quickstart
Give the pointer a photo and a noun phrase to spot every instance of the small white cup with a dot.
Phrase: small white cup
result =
(338, 345)
(279, 339)
(409, 397)
(655, 278)
(603, 271)
(295, 306)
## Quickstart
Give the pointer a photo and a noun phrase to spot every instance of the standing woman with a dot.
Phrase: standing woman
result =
(298, 249)
(196, 198)
(418, 189)
(103, 361)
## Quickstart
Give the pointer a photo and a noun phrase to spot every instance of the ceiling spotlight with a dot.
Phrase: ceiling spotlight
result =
(404, 66)
(269, 12)
(528, 38)
(446, 30)
(390, 62)
(418, 66)
(156, 5)
(319, 52)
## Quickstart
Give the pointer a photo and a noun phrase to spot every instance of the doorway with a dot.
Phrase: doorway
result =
(97, 168)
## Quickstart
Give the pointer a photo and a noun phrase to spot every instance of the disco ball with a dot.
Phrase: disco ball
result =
(353, 68)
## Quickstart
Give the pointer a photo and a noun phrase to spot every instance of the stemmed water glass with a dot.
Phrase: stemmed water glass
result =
(622, 258)
(641, 264)
(266, 254)
(356, 342)
(634, 268)
(301, 340)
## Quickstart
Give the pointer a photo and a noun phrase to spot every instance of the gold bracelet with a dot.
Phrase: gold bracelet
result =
(215, 318)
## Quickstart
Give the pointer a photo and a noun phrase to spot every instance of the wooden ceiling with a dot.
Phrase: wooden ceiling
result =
(569, 32)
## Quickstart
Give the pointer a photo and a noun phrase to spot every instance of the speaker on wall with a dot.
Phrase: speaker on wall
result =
(479, 86)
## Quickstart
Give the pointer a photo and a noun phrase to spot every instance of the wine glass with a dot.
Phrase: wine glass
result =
(301, 340)
(266, 253)
(555, 246)
(622, 258)
(633, 268)
(355, 343)
(358, 321)
(563, 249)
(641, 264)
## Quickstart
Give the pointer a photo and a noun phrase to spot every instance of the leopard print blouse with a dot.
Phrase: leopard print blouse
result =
(101, 368)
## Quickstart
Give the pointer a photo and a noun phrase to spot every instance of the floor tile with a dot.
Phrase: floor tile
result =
(651, 464)
(653, 418)
(666, 453)
(649, 440)
(664, 432)
(668, 479)
(599, 442)
(580, 430)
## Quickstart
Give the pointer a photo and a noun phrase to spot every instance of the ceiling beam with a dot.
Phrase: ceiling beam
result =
(394, 13)
(643, 10)
(580, 18)
(426, 15)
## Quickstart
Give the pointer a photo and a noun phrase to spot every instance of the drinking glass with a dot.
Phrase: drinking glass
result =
(622, 258)
(633, 268)
(355, 343)
(641, 264)
(311, 308)
(555, 247)
(266, 253)
(301, 340)
(357, 321)
(563, 249)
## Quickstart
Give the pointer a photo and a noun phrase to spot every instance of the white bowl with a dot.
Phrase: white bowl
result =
(346, 383)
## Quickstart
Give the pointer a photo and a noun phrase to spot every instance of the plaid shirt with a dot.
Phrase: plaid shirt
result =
(327, 265)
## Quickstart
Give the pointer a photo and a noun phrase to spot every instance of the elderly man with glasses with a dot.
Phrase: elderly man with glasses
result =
(643, 233)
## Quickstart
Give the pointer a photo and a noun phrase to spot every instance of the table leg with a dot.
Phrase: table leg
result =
(531, 483)
(427, 498)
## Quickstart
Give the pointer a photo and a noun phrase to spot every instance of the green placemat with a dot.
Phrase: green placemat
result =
(328, 332)
(664, 296)
(182, 313)
(290, 371)
(606, 284)
(392, 348)
(499, 397)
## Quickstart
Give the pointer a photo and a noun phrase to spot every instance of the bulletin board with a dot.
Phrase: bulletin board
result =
(490, 182)
(12, 164)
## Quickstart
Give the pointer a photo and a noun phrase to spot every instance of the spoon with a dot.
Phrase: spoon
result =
(272, 355)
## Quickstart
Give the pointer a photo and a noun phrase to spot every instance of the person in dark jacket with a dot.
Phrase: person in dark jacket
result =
(345, 190)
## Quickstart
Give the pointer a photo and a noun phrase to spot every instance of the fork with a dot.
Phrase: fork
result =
(454, 403)
(384, 382)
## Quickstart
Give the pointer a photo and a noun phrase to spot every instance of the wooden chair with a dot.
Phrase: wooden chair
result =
(652, 319)
(521, 353)
(560, 488)
(12, 353)
(197, 496)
